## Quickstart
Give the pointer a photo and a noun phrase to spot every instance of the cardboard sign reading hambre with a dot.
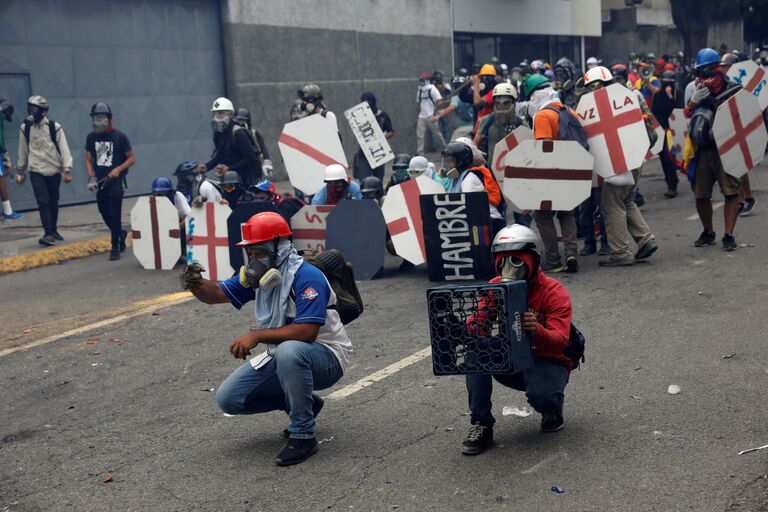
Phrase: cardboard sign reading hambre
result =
(368, 133)
(208, 240)
(457, 234)
(739, 133)
(659, 144)
(235, 221)
(678, 128)
(752, 78)
(505, 146)
(402, 213)
(308, 146)
(613, 120)
(155, 232)
(548, 175)
(309, 227)
(357, 229)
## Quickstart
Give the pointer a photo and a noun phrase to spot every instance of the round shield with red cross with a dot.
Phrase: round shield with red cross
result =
(402, 213)
(208, 240)
(613, 121)
(155, 232)
(752, 78)
(548, 175)
(740, 133)
(308, 146)
(504, 146)
(309, 227)
(659, 144)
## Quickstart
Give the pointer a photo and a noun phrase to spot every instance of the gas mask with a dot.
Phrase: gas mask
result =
(259, 270)
(100, 123)
(513, 269)
(308, 107)
(36, 114)
(220, 120)
(503, 109)
(449, 167)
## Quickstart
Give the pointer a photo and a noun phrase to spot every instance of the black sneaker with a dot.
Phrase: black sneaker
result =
(478, 440)
(114, 255)
(588, 249)
(646, 250)
(705, 239)
(317, 406)
(123, 236)
(47, 240)
(552, 267)
(604, 249)
(670, 193)
(551, 423)
(748, 207)
(729, 243)
(571, 265)
(296, 451)
(615, 262)
(57, 236)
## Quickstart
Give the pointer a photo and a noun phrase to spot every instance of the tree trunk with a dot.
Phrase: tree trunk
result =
(692, 18)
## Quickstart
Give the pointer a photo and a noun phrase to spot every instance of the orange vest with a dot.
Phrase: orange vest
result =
(489, 182)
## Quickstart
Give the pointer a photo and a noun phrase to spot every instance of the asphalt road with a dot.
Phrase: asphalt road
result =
(132, 401)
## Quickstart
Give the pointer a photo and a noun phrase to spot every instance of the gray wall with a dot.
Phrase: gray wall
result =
(158, 63)
(273, 48)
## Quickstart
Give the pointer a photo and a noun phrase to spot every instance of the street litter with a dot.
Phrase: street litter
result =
(328, 440)
(728, 356)
(449, 429)
(557, 489)
(515, 411)
(108, 479)
(673, 389)
(742, 452)
(26, 331)
(211, 390)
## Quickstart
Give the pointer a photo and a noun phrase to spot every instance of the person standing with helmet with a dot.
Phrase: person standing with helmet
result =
(371, 188)
(482, 92)
(6, 114)
(163, 187)
(517, 253)
(338, 186)
(43, 150)
(312, 104)
(665, 100)
(705, 168)
(444, 122)
(399, 170)
(362, 168)
(306, 345)
(243, 119)
(108, 157)
(233, 149)
(427, 97)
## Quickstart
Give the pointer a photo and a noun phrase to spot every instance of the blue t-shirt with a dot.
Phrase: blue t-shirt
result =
(310, 288)
(353, 191)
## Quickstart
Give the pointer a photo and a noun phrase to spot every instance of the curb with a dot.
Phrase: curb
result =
(56, 255)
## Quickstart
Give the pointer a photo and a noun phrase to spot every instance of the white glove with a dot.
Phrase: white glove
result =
(267, 168)
(700, 94)
(198, 201)
(92, 184)
(20, 178)
(7, 162)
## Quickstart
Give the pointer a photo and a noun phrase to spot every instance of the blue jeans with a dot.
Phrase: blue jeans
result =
(590, 210)
(285, 383)
(544, 385)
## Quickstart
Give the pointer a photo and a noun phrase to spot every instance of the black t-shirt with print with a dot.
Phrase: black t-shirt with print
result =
(385, 123)
(108, 150)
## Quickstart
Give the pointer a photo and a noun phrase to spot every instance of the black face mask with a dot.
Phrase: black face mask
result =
(36, 112)
(231, 197)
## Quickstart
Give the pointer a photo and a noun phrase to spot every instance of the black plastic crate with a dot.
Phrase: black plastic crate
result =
(478, 328)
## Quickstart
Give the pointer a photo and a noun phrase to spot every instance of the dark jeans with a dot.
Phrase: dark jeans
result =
(544, 385)
(670, 171)
(46, 189)
(110, 201)
(363, 168)
(590, 210)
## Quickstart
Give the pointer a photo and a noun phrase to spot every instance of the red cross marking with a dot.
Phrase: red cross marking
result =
(742, 132)
(529, 173)
(303, 147)
(155, 231)
(755, 80)
(511, 142)
(608, 127)
(211, 240)
(411, 193)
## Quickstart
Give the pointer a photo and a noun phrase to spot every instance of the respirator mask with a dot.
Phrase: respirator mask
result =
(259, 270)
(513, 269)
(100, 123)
(220, 120)
(503, 109)
(36, 114)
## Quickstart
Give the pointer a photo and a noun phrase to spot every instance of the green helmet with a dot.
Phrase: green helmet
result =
(533, 82)
(310, 92)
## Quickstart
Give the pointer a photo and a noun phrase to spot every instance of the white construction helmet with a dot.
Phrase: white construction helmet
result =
(505, 89)
(222, 104)
(592, 62)
(335, 172)
(417, 166)
(516, 238)
(598, 74)
(478, 156)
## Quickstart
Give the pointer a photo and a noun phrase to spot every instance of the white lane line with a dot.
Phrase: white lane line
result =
(380, 375)
(96, 325)
(715, 206)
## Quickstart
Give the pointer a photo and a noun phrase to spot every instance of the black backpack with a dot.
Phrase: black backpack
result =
(568, 127)
(339, 273)
(574, 349)
(51, 131)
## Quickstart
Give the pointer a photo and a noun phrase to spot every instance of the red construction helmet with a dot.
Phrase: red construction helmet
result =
(263, 227)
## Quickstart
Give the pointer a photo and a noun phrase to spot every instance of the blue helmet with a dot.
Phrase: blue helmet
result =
(263, 185)
(186, 168)
(706, 57)
(161, 185)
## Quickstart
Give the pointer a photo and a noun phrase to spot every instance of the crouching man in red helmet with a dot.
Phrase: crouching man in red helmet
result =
(296, 322)
(517, 251)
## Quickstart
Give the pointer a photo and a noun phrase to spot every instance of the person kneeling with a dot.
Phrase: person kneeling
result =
(517, 252)
(306, 344)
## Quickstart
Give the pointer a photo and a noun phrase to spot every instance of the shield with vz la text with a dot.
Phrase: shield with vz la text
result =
(357, 229)
(613, 121)
(208, 240)
(155, 231)
(457, 236)
(235, 221)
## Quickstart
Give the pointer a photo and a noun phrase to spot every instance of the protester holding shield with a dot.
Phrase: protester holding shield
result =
(338, 186)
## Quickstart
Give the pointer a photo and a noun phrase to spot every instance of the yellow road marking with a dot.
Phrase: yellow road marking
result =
(54, 255)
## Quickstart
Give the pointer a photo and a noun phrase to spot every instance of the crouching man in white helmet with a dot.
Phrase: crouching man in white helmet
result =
(517, 251)
(338, 186)
(296, 322)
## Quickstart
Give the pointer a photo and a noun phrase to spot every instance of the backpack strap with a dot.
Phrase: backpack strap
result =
(51, 132)
(488, 126)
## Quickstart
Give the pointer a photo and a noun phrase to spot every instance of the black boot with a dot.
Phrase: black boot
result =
(114, 253)
(123, 236)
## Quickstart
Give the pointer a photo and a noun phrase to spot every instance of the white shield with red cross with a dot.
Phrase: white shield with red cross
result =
(208, 240)
(504, 146)
(402, 213)
(308, 146)
(753, 79)
(678, 128)
(659, 144)
(613, 121)
(548, 175)
(309, 226)
(740, 134)
(155, 232)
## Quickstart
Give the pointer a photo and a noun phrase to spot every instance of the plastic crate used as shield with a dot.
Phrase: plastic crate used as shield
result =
(478, 328)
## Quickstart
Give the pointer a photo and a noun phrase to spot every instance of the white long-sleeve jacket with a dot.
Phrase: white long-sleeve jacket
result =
(39, 154)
